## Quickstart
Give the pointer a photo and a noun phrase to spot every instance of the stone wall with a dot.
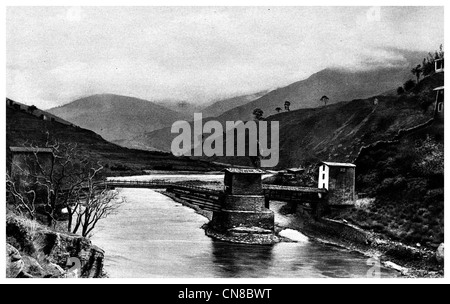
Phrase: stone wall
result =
(240, 184)
(225, 220)
(341, 189)
(244, 202)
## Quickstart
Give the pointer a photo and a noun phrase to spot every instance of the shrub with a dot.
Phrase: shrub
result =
(409, 85)
(431, 158)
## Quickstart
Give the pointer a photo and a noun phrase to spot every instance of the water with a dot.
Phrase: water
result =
(152, 236)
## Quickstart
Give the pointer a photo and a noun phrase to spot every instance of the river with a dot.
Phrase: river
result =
(152, 236)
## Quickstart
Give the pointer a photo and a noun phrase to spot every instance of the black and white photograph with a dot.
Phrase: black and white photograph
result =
(216, 141)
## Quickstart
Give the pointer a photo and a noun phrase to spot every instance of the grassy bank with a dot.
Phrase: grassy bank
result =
(415, 262)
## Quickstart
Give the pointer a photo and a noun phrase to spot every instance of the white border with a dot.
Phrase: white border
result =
(204, 3)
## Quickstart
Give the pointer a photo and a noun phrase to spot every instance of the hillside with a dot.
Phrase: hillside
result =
(221, 106)
(161, 139)
(186, 108)
(405, 178)
(24, 128)
(337, 132)
(117, 117)
(337, 85)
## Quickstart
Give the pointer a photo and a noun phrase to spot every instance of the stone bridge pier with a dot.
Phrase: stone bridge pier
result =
(244, 217)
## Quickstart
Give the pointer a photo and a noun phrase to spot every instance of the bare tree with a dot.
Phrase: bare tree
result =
(70, 180)
(93, 202)
(23, 198)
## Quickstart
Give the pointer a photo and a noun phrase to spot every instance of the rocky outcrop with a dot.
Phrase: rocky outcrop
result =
(440, 254)
(244, 235)
(14, 263)
(34, 250)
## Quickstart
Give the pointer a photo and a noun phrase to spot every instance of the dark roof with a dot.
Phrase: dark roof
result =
(333, 164)
(31, 149)
(244, 171)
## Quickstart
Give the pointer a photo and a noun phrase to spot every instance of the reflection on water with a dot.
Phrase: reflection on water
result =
(153, 236)
(240, 260)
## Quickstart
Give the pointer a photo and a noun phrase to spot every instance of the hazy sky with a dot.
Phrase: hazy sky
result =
(58, 54)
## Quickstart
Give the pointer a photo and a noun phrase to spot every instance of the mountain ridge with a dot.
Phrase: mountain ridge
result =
(347, 86)
(116, 116)
(24, 128)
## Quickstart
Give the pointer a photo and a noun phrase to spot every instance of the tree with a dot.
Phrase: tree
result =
(428, 62)
(32, 108)
(182, 104)
(44, 182)
(417, 71)
(287, 104)
(258, 113)
(324, 99)
(278, 109)
(409, 85)
(92, 203)
(23, 198)
(68, 180)
(400, 91)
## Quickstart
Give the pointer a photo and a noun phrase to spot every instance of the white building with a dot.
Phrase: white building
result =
(339, 180)
(439, 65)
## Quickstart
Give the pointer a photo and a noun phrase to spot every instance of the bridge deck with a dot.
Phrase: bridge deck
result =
(162, 184)
(212, 199)
(294, 189)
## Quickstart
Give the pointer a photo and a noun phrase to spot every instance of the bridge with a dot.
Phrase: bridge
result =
(157, 184)
(240, 211)
(212, 200)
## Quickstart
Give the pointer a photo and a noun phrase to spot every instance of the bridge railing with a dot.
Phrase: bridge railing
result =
(284, 193)
(159, 183)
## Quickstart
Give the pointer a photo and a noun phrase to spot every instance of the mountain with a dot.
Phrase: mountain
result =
(337, 132)
(117, 117)
(337, 84)
(187, 108)
(24, 128)
(221, 106)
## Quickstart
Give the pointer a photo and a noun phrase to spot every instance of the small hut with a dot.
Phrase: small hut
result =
(243, 181)
(339, 180)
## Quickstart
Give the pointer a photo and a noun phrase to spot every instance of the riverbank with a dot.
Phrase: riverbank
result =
(161, 238)
(411, 262)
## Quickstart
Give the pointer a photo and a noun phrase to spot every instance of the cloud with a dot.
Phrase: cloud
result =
(73, 14)
(56, 54)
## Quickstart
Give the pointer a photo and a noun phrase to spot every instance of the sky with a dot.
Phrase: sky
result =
(55, 55)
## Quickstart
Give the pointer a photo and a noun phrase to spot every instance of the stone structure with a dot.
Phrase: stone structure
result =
(243, 209)
(339, 180)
